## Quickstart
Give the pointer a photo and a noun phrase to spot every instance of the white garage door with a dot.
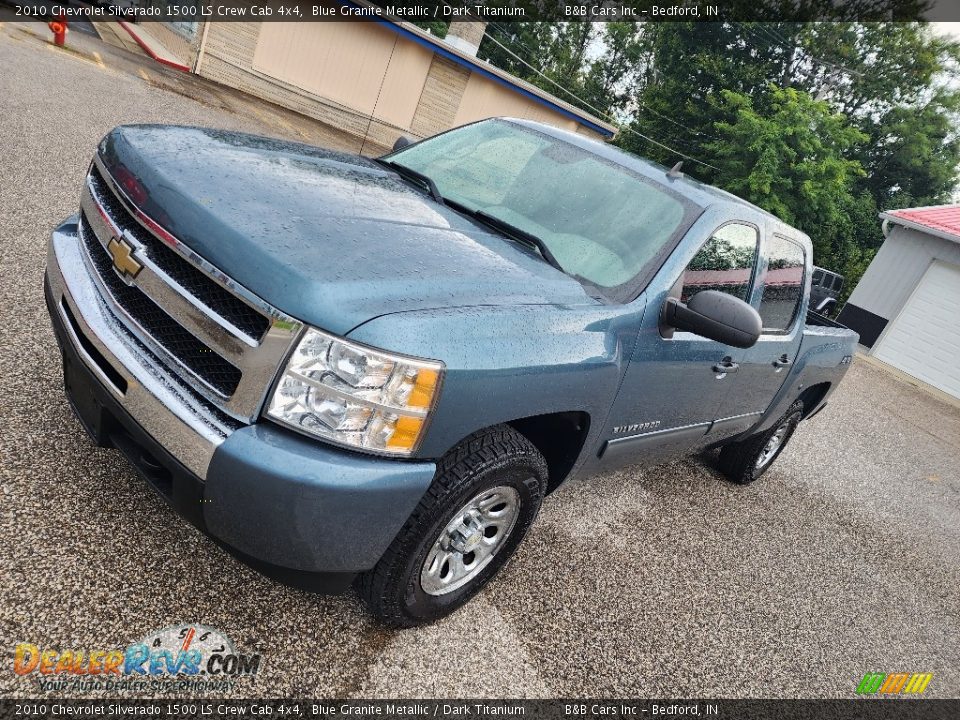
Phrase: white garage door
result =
(924, 340)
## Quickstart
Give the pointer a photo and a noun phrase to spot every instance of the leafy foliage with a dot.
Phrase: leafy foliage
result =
(591, 65)
(823, 124)
(720, 254)
(791, 161)
(435, 27)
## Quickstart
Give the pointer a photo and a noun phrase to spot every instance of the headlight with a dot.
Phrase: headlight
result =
(354, 395)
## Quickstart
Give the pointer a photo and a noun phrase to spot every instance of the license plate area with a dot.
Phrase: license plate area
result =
(110, 376)
(85, 405)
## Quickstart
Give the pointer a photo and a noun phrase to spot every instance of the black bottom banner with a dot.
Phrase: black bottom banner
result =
(859, 709)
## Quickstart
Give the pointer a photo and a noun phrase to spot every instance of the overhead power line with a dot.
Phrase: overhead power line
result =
(813, 57)
(504, 33)
(771, 35)
(599, 112)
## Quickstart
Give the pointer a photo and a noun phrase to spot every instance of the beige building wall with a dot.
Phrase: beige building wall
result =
(358, 65)
(362, 78)
(227, 58)
(482, 94)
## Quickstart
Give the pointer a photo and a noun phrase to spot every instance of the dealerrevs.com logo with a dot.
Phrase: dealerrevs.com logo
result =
(894, 683)
(179, 657)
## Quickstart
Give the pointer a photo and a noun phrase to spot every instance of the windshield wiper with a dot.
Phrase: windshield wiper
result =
(517, 234)
(415, 175)
(493, 221)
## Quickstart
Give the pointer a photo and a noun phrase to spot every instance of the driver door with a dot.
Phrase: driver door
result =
(674, 386)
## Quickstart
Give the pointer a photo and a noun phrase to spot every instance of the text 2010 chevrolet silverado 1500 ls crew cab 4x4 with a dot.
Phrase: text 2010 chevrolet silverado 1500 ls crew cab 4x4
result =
(348, 369)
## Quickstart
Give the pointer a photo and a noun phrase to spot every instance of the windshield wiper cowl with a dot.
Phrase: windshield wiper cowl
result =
(518, 234)
(411, 174)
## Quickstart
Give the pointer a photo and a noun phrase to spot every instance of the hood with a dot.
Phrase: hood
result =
(329, 238)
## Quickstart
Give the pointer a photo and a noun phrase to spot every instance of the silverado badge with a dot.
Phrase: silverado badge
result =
(124, 260)
(637, 427)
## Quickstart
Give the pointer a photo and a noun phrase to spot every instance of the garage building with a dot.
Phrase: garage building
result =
(907, 305)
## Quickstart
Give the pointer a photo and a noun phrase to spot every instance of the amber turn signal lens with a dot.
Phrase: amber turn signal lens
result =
(423, 389)
(405, 433)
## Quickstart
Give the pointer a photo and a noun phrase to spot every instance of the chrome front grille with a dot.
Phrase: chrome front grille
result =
(215, 335)
(219, 300)
(173, 337)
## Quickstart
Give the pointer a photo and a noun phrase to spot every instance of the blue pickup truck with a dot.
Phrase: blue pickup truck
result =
(372, 371)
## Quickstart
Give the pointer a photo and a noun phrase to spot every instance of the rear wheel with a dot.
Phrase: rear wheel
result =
(485, 496)
(745, 461)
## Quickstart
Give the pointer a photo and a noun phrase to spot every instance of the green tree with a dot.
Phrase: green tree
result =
(610, 80)
(889, 80)
(550, 55)
(593, 66)
(435, 27)
(792, 161)
(881, 75)
(886, 78)
(518, 48)
(679, 89)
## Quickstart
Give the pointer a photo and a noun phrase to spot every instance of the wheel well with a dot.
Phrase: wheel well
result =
(559, 437)
(812, 396)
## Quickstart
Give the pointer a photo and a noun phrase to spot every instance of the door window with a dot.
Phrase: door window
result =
(724, 263)
(783, 285)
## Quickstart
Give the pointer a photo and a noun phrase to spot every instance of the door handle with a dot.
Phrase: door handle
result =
(727, 365)
(782, 362)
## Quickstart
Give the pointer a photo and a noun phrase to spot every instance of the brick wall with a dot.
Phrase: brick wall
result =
(470, 30)
(440, 98)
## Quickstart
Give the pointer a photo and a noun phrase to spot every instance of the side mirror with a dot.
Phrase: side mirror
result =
(715, 316)
(401, 143)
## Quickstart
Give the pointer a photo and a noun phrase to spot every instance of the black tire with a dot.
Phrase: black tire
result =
(740, 461)
(495, 457)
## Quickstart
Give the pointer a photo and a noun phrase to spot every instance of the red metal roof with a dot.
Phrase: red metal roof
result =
(944, 219)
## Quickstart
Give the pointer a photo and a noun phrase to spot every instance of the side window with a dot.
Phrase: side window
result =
(783, 286)
(724, 263)
(817, 276)
(837, 282)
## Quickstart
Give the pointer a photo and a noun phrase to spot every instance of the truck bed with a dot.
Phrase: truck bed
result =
(825, 354)
(815, 319)
(826, 351)
(829, 340)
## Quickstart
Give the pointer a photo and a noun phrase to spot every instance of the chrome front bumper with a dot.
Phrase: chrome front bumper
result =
(175, 415)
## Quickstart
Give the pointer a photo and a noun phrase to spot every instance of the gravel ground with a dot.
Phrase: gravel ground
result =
(662, 582)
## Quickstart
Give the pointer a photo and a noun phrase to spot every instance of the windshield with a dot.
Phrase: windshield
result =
(602, 222)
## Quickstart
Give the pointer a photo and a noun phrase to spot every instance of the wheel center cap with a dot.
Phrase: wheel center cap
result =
(471, 542)
(467, 535)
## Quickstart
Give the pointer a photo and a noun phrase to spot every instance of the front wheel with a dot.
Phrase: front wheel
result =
(486, 494)
(743, 462)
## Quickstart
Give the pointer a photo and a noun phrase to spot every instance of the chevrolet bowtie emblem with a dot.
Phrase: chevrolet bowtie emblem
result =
(124, 261)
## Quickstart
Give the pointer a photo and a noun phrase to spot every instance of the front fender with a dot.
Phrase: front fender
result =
(507, 363)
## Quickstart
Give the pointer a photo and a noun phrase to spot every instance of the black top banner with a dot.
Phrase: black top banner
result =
(500, 11)
(612, 709)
